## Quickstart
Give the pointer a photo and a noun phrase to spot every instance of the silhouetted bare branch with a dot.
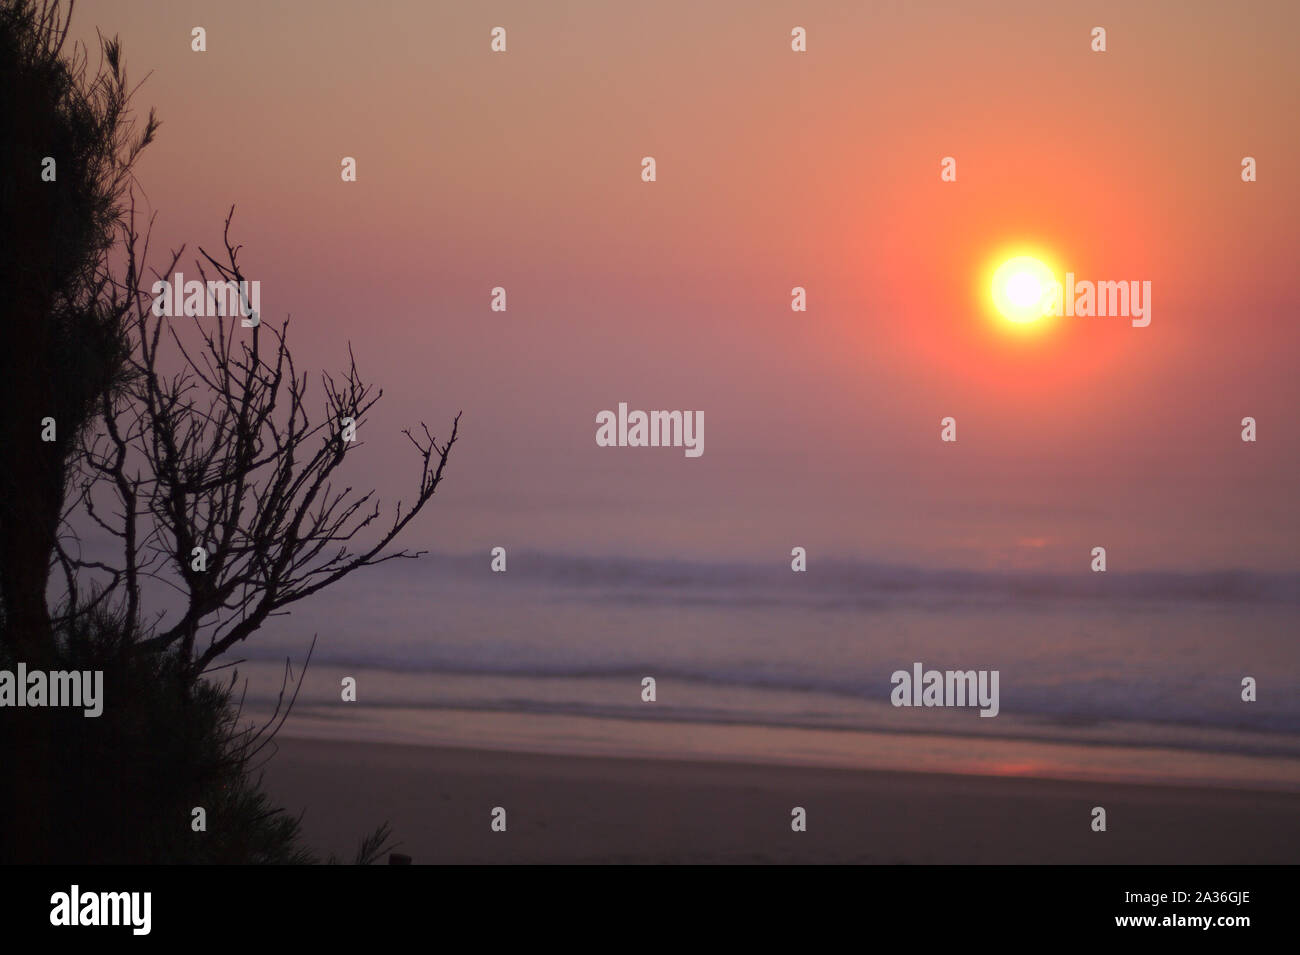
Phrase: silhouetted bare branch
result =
(212, 445)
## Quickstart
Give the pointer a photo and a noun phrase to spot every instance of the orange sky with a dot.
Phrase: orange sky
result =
(775, 169)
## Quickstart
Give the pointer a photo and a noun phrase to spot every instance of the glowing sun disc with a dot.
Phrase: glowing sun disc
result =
(1021, 286)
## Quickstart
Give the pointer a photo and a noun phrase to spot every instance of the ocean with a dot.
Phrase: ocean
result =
(1102, 676)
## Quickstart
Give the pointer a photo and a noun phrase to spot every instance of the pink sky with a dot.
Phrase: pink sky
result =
(775, 169)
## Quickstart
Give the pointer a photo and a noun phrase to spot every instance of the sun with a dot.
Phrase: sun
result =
(1021, 288)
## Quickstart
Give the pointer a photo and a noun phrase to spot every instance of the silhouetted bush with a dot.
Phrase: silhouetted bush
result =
(125, 783)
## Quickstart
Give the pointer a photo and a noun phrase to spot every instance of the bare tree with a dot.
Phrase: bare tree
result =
(217, 479)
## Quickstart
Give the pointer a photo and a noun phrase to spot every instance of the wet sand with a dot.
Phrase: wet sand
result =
(584, 809)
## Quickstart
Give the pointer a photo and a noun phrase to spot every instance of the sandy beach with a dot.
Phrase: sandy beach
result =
(583, 809)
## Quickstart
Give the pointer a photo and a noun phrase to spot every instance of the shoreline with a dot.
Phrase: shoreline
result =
(927, 751)
(589, 809)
